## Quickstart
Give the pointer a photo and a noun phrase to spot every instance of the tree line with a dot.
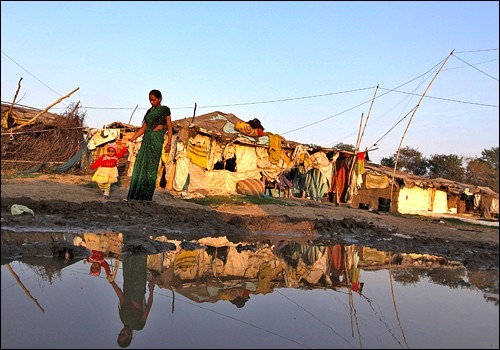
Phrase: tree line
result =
(480, 171)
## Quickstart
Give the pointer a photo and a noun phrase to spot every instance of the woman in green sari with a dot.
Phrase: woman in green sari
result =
(156, 122)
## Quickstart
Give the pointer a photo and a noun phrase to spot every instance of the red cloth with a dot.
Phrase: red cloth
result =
(98, 257)
(108, 162)
(341, 182)
(336, 257)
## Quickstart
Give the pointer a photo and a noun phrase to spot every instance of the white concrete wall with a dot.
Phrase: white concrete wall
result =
(416, 200)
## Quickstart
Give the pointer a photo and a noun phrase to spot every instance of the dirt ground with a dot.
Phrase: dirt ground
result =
(67, 203)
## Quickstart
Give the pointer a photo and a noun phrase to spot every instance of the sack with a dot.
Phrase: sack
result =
(250, 187)
(246, 129)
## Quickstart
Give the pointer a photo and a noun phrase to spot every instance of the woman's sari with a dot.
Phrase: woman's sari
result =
(143, 181)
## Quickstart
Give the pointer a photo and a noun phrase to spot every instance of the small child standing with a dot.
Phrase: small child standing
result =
(107, 171)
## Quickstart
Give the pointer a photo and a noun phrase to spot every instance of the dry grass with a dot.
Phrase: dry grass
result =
(54, 142)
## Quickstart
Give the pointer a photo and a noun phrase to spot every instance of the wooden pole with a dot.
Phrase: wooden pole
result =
(5, 122)
(394, 302)
(194, 113)
(173, 300)
(367, 117)
(24, 288)
(352, 310)
(361, 132)
(411, 118)
(350, 190)
(15, 96)
(45, 110)
(130, 120)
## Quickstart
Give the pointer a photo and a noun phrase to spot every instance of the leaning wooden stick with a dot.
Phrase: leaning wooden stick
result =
(24, 288)
(350, 182)
(366, 121)
(194, 113)
(42, 112)
(411, 118)
(15, 96)
(361, 132)
(130, 120)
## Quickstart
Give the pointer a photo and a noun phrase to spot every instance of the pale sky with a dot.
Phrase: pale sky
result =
(307, 70)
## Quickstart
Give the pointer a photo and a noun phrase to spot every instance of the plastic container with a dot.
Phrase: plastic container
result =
(384, 204)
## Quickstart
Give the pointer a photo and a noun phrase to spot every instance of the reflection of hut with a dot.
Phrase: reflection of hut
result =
(48, 268)
(259, 268)
(108, 243)
(222, 270)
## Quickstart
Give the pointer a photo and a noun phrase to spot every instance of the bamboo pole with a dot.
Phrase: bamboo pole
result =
(9, 112)
(42, 112)
(15, 96)
(367, 117)
(352, 309)
(173, 300)
(411, 118)
(24, 288)
(29, 161)
(394, 302)
(350, 190)
(194, 113)
(361, 132)
(39, 131)
(130, 120)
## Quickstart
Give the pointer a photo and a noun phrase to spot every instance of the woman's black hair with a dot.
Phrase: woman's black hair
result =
(156, 93)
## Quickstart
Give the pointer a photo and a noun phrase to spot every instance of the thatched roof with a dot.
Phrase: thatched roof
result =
(458, 186)
(411, 180)
(50, 139)
(212, 124)
(21, 113)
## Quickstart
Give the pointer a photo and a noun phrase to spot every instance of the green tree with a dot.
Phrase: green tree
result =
(410, 160)
(447, 166)
(491, 157)
(484, 171)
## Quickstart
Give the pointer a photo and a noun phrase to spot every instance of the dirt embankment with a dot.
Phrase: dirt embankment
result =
(63, 203)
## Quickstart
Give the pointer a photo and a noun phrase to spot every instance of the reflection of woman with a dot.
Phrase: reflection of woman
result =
(156, 122)
(133, 308)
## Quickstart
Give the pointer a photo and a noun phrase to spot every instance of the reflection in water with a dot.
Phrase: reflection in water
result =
(210, 270)
(134, 310)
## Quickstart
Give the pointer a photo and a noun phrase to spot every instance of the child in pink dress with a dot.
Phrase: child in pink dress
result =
(107, 171)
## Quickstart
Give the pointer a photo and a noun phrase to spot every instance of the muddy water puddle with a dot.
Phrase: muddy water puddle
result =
(212, 293)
